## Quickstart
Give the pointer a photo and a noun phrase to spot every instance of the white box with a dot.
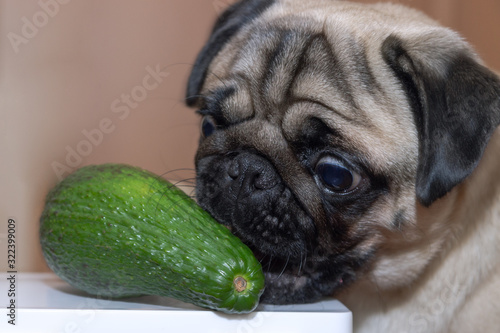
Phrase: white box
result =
(45, 303)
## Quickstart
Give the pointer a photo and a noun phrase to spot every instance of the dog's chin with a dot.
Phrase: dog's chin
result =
(297, 270)
(291, 282)
(292, 274)
(292, 279)
(300, 280)
(305, 276)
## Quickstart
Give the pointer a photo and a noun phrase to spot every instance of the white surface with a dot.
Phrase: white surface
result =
(44, 303)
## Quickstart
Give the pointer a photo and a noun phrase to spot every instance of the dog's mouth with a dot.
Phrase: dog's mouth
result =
(294, 273)
(301, 276)
(300, 279)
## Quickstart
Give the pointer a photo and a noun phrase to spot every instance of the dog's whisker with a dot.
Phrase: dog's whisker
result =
(202, 96)
(269, 264)
(303, 258)
(261, 260)
(186, 182)
(218, 78)
(300, 264)
(175, 171)
(192, 193)
(284, 267)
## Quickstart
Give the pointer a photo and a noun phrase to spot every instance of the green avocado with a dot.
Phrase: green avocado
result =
(114, 230)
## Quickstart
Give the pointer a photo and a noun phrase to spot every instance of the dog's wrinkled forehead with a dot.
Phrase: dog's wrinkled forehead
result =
(284, 74)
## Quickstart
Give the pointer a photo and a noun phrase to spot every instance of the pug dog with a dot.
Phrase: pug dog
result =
(354, 148)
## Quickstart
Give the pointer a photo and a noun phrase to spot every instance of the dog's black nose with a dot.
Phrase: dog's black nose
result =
(252, 172)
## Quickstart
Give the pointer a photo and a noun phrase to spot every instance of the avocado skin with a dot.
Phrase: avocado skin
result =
(114, 231)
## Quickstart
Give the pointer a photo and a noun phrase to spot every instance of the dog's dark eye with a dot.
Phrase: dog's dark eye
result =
(208, 126)
(335, 176)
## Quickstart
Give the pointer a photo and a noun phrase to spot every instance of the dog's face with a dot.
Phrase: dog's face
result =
(326, 127)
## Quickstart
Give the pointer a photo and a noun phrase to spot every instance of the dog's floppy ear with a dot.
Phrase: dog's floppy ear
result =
(456, 104)
(228, 24)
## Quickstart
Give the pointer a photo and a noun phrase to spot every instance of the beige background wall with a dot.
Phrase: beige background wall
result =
(76, 88)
